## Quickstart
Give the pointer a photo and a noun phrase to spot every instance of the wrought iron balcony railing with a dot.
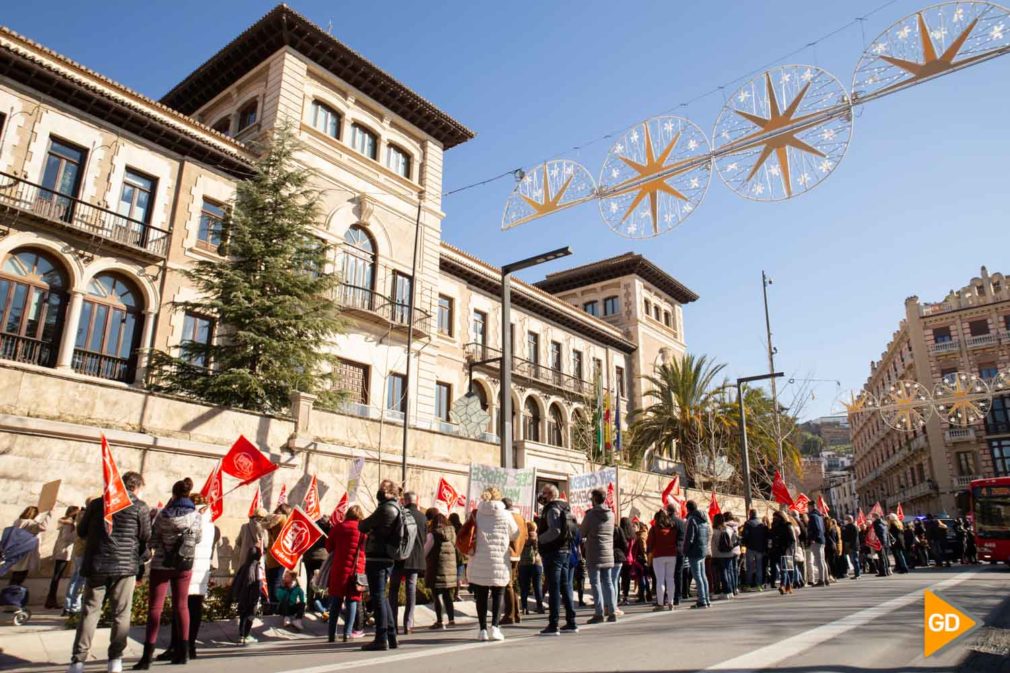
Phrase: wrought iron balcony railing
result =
(70, 212)
(530, 371)
(102, 366)
(367, 300)
(28, 350)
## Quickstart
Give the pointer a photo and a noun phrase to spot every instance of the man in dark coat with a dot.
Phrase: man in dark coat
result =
(755, 539)
(408, 570)
(850, 545)
(382, 528)
(556, 536)
(880, 530)
(816, 536)
(111, 564)
(681, 573)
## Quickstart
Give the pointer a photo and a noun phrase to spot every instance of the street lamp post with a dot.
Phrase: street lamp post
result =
(765, 282)
(505, 394)
(743, 431)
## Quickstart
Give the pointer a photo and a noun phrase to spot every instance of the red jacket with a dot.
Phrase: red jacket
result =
(344, 540)
(662, 541)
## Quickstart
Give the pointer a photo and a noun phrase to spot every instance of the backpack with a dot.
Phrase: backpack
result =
(181, 554)
(568, 526)
(406, 528)
(727, 541)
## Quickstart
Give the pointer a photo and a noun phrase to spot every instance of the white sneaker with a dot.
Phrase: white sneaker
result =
(76, 667)
(297, 624)
(496, 633)
(482, 636)
(115, 666)
(286, 622)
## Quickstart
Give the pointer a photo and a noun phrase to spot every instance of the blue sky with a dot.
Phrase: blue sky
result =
(916, 207)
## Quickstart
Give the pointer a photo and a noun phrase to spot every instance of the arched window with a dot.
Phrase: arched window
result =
(364, 141)
(531, 420)
(556, 427)
(223, 125)
(108, 333)
(326, 119)
(359, 268)
(33, 298)
(248, 114)
(398, 161)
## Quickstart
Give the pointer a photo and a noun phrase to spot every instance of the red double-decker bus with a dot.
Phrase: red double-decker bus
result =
(990, 508)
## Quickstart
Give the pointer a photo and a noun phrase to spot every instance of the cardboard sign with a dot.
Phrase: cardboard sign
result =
(580, 487)
(299, 533)
(517, 485)
(47, 498)
(354, 479)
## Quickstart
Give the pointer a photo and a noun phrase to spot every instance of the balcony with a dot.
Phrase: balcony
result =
(950, 346)
(69, 213)
(527, 371)
(102, 366)
(369, 304)
(982, 340)
(961, 483)
(959, 435)
(27, 350)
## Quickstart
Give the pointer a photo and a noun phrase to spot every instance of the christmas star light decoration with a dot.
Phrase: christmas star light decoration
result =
(906, 406)
(546, 189)
(859, 403)
(962, 398)
(549, 203)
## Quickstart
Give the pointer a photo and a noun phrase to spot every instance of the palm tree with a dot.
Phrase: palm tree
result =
(683, 393)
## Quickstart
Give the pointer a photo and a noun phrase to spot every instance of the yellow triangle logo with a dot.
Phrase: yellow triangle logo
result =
(942, 624)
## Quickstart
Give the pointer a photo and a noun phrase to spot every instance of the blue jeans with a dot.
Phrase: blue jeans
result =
(559, 585)
(72, 603)
(615, 580)
(787, 575)
(697, 566)
(728, 574)
(398, 576)
(603, 591)
(350, 613)
(531, 576)
(755, 568)
(854, 559)
(378, 578)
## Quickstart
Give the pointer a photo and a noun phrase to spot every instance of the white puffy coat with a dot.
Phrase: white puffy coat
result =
(490, 564)
(205, 557)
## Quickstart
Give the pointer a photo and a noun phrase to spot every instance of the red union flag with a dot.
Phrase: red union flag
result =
(672, 491)
(611, 502)
(872, 541)
(860, 518)
(713, 507)
(213, 492)
(311, 501)
(447, 494)
(339, 511)
(255, 504)
(822, 506)
(780, 492)
(295, 538)
(900, 513)
(245, 462)
(801, 505)
(115, 498)
(877, 509)
(282, 499)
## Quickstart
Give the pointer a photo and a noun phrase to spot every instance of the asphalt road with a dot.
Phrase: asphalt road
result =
(873, 624)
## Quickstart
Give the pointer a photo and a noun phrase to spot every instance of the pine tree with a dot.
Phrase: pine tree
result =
(270, 296)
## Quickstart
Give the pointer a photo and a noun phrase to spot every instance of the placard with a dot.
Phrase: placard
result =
(580, 486)
(517, 485)
(47, 498)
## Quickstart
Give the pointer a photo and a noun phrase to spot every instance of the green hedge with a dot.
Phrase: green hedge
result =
(216, 606)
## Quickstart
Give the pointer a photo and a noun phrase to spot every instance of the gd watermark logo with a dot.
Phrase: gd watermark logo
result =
(942, 624)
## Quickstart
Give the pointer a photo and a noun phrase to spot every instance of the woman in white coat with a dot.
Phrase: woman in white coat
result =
(36, 524)
(490, 568)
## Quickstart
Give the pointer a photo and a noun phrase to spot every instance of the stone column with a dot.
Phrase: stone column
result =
(65, 358)
(143, 353)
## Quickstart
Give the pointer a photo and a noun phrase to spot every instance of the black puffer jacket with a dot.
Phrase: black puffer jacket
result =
(415, 562)
(383, 533)
(119, 554)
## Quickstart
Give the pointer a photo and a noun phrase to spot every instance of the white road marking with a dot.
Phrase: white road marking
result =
(771, 655)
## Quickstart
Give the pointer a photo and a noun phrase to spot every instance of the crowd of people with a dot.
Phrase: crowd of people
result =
(364, 569)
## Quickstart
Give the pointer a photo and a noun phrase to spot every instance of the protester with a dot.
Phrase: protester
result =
(36, 524)
(440, 566)
(275, 571)
(696, 544)
(661, 545)
(851, 546)
(783, 540)
(62, 549)
(621, 549)
(624, 558)
(681, 571)
(597, 530)
(880, 530)
(252, 535)
(72, 602)
(577, 566)
(833, 549)
(817, 538)
(641, 569)
(726, 552)
(531, 571)
(556, 531)
(755, 539)
(291, 601)
(936, 534)
(110, 565)
(489, 570)
(407, 571)
(383, 532)
(175, 533)
(512, 614)
(247, 591)
(345, 543)
(313, 560)
(456, 524)
(896, 534)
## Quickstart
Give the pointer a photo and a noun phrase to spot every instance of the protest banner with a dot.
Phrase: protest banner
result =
(580, 486)
(517, 485)
(354, 479)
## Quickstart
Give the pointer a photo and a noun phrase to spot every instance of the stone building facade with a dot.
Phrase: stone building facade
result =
(969, 332)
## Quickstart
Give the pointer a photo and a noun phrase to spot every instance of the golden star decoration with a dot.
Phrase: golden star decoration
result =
(959, 403)
(550, 203)
(856, 404)
(653, 188)
(905, 405)
(781, 143)
(931, 63)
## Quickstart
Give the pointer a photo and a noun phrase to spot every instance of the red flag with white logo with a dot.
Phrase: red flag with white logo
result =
(780, 492)
(339, 511)
(115, 497)
(872, 541)
(860, 518)
(298, 534)
(447, 494)
(611, 501)
(877, 509)
(671, 491)
(245, 462)
(282, 498)
(900, 513)
(801, 505)
(311, 501)
(213, 493)
(255, 504)
(713, 507)
(822, 506)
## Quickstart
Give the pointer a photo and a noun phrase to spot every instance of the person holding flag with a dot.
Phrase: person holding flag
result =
(850, 544)
(114, 551)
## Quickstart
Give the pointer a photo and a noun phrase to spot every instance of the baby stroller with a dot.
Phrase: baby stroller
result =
(14, 544)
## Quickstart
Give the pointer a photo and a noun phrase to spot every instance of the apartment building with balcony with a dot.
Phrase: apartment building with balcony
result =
(924, 469)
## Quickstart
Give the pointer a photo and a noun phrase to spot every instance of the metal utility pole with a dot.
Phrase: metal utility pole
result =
(765, 282)
(743, 431)
(410, 340)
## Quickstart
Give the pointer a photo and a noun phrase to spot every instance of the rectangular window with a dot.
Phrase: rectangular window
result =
(591, 307)
(398, 161)
(326, 119)
(922, 472)
(597, 369)
(352, 377)
(364, 141)
(619, 375)
(479, 328)
(611, 306)
(247, 116)
(61, 177)
(978, 327)
(997, 421)
(443, 400)
(965, 463)
(396, 393)
(941, 335)
(577, 365)
(401, 298)
(988, 371)
(445, 315)
(555, 356)
(648, 308)
(197, 331)
(137, 196)
(655, 311)
(1000, 449)
(667, 319)
(1006, 322)
(947, 371)
(211, 224)
(533, 347)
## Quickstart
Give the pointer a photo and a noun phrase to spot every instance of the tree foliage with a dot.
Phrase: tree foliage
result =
(270, 296)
